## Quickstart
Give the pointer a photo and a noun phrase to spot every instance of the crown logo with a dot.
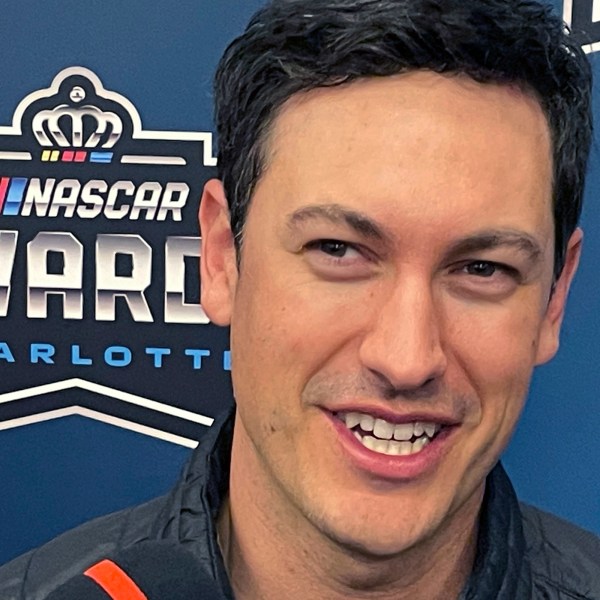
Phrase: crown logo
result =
(84, 126)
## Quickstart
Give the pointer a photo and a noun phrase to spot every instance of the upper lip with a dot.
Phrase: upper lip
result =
(397, 417)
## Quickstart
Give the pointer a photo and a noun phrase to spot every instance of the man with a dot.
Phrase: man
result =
(392, 241)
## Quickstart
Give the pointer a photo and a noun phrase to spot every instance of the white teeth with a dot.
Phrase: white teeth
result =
(383, 430)
(419, 444)
(430, 429)
(369, 441)
(381, 446)
(404, 431)
(392, 448)
(352, 420)
(406, 448)
(367, 422)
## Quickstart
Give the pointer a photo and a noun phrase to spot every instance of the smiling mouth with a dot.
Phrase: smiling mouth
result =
(387, 438)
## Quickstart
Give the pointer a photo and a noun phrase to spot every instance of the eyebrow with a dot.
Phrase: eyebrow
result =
(484, 240)
(498, 238)
(337, 214)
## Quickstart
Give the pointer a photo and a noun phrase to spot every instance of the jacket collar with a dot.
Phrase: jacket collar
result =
(500, 570)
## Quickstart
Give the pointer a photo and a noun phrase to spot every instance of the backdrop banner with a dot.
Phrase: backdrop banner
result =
(110, 371)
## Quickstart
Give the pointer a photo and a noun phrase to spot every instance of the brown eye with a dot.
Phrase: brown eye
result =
(481, 269)
(333, 248)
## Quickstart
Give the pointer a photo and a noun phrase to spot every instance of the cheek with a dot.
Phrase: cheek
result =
(268, 350)
(495, 348)
(286, 318)
(285, 330)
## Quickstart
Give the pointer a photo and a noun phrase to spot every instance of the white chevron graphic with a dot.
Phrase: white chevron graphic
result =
(103, 390)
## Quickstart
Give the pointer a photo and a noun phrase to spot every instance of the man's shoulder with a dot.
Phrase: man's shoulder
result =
(564, 558)
(35, 574)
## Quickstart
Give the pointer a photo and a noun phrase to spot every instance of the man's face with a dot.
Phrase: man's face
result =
(394, 283)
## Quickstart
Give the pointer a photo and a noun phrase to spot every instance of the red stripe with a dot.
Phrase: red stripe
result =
(114, 581)
(4, 181)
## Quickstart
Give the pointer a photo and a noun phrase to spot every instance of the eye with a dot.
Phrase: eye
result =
(336, 260)
(333, 248)
(486, 279)
(487, 269)
(482, 268)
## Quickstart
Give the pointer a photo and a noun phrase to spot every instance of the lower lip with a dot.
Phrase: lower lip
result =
(385, 466)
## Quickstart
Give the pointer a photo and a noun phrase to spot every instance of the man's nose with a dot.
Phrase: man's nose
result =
(403, 344)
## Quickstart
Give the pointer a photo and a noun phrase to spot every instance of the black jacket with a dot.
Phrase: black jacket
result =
(522, 553)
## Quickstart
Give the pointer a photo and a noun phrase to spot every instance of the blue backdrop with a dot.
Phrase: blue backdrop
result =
(58, 472)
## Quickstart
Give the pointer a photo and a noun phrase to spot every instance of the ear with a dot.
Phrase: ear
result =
(218, 266)
(555, 311)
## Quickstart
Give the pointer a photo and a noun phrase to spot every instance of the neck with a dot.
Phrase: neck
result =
(278, 553)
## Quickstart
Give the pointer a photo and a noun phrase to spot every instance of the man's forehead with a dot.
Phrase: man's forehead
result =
(352, 146)
(361, 99)
(409, 115)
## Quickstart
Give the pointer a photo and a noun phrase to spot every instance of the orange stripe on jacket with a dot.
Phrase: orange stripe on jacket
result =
(114, 581)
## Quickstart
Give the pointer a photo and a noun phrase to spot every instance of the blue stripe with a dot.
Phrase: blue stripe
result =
(15, 196)
(101, 157)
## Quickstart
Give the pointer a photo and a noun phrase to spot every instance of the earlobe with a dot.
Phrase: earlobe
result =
(218, 267)
(550, 330)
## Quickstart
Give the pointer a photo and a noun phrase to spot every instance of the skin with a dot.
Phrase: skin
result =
(436, 298)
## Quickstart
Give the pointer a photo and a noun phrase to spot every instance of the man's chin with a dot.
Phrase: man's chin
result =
(372, 545)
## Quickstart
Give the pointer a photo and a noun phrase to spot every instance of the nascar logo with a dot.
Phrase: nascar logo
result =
(69, 197)
(77, 152)
(99, 271)
(76, 132)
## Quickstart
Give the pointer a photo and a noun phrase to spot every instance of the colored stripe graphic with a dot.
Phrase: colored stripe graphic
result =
(101, 157)
(114, 581)
(139, 159)
(15, 155)
(4, 181)
(15, 196)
